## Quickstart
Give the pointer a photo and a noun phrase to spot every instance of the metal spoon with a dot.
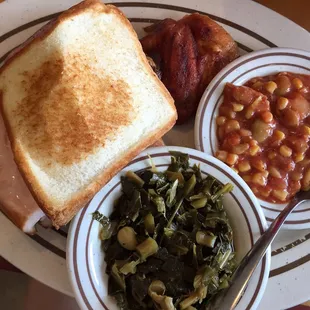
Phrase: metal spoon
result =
(228, 298)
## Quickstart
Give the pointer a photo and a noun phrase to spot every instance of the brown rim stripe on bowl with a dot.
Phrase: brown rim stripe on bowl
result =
(99, 205)
(260, 280)
(290, 245)
(295, 211)
(87, 246)
(75, 268)
(290, 266)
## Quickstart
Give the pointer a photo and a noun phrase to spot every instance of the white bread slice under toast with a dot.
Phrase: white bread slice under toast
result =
(80, 100)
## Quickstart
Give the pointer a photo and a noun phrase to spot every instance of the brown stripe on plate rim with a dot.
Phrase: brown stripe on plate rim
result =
(290, 222)
(190, 11)
(290, 266)
(116, 185)
(49, 246)
(47, 18)
(150, 5)
(60, 232)
(75, 267)
(278, 211)
(2, 58)
(290, 245)
(28, 25)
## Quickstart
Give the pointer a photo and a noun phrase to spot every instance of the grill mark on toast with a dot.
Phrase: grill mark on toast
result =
(69, 111)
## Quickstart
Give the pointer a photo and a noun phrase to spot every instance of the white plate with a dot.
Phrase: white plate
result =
(254, 27)
(260, 63)
(85, 256)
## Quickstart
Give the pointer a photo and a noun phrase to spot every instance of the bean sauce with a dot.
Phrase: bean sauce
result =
(264, 132)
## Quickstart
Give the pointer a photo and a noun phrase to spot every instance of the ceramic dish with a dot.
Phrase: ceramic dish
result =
(254, 27)
(261, 63)
(86, 259)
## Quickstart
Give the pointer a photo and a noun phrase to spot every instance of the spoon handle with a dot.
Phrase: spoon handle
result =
(228, 298)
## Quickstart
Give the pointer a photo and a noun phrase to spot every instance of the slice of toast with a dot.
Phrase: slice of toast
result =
(79, 101)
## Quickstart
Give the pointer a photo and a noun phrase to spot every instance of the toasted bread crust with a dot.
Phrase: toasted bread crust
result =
(63, 214)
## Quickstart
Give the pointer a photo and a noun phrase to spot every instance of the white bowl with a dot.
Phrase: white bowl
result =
(261, 63)
(85, 257)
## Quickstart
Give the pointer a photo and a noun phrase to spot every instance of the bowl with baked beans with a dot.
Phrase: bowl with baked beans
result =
(255, 117)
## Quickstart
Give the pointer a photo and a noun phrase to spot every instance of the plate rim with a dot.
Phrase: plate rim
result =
(284, 22)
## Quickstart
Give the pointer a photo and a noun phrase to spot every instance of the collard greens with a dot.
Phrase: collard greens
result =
(168, 243)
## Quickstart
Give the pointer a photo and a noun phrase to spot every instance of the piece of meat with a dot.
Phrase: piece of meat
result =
(192, 51)
(153, 41)
(180, 73)
(16, 201)
(160, 25)
(211, 37)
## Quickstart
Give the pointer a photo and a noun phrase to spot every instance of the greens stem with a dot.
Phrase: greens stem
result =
(225, 189)
(177, 207)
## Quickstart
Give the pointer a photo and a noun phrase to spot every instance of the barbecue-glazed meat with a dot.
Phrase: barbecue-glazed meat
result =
(192, 51)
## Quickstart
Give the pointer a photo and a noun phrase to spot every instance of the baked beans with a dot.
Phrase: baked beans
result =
(264, 132)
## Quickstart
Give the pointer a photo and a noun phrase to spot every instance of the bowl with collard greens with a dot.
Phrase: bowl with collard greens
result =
(167, 232)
